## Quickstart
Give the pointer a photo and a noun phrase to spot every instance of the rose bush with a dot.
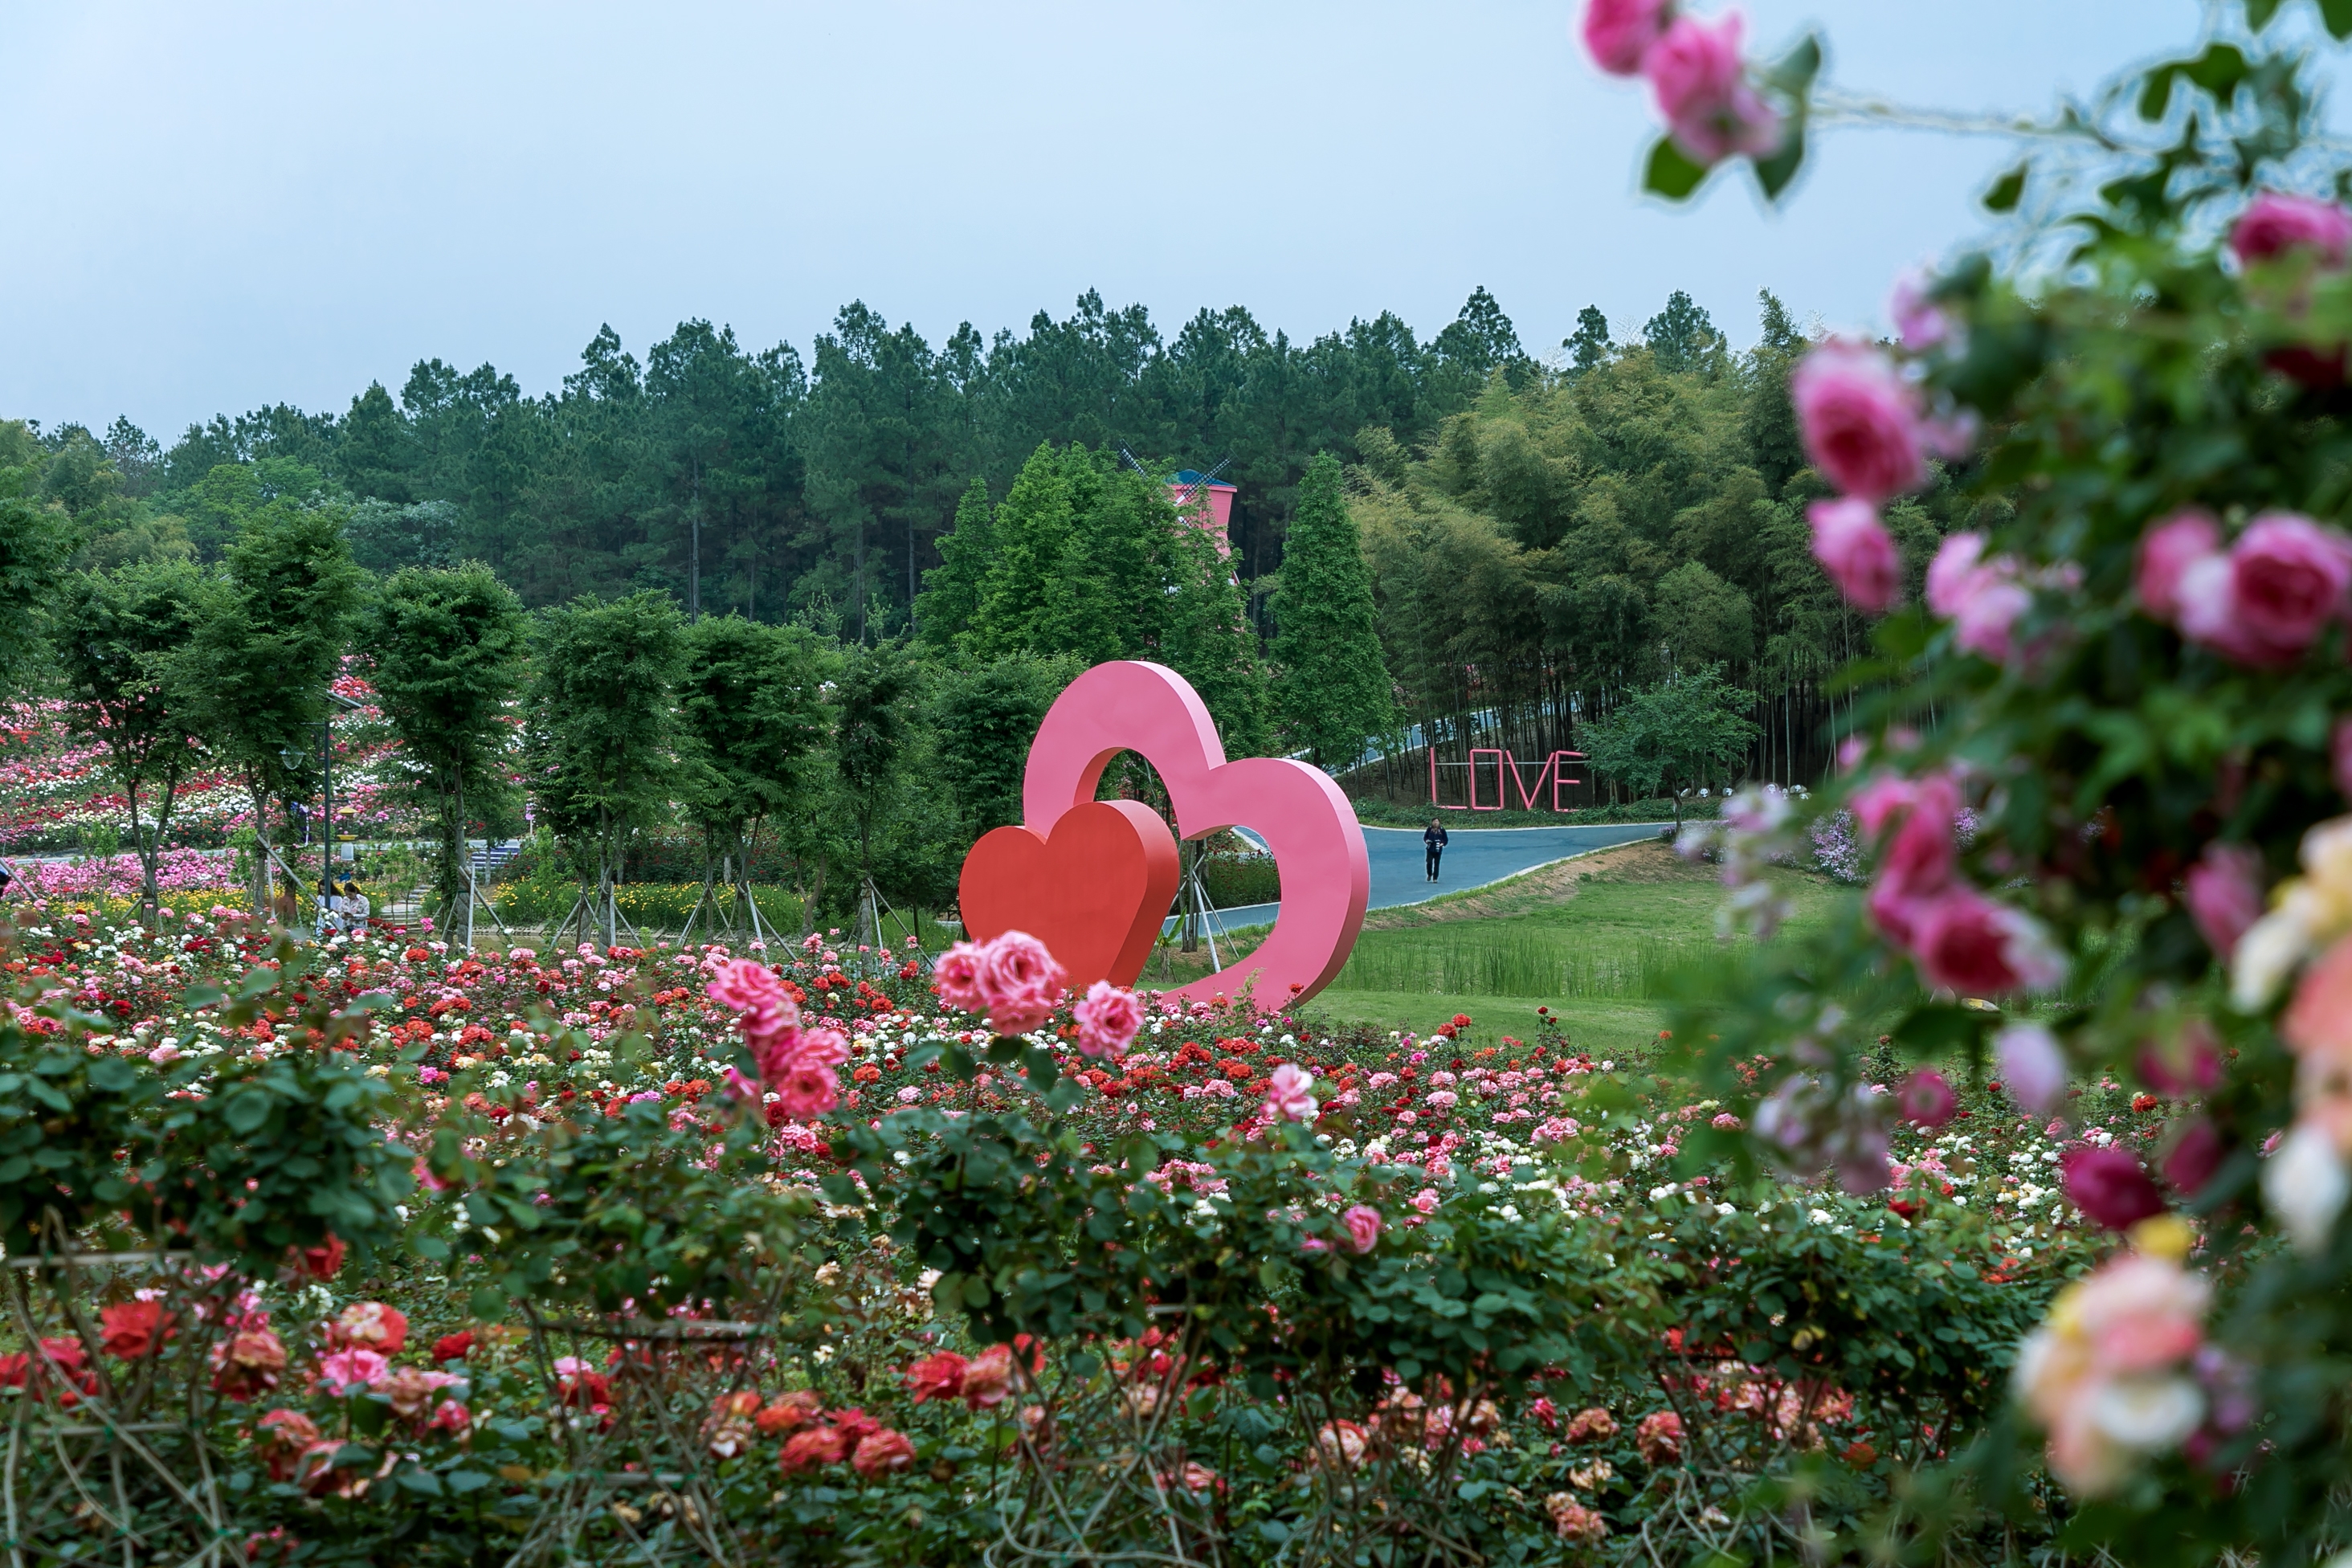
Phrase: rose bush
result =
(2134, 675)
(1286, 1269)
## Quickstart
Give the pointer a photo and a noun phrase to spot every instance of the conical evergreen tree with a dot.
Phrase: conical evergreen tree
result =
(1209, 643)
(1032, 531)
(1332, 687)
(950, 594)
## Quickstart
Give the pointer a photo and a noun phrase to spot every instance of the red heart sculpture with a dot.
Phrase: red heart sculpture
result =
(1132, 706)
(1095, 890)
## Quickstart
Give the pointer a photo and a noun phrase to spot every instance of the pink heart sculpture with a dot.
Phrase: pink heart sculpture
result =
(1148, 709)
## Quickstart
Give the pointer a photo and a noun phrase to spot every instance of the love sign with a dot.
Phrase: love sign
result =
(1094, 879)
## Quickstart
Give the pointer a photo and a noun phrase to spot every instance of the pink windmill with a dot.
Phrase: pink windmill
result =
(1206, 502)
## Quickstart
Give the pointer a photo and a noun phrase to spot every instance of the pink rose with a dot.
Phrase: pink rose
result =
(1289, 1095)
(1926, 1098)
(1702, 91)
(806, 1082)
(2109, 1186)
(2032, 1067)
(2190, 1063)
(1921, 322)
(746, 986)
(2266, 602)
(1618, 33)
(2224, 894)
(1019, 983)
(882, 1451)
(1966, 942)
(1860, 420)
(2196, 1154)
(956, 973)
(1854, 548)
(1363, 1224)
(769, 1019)
(349, 1369)
(1108, 1020)
(2276, 223)
(804, 1090)
(1983, 599)
(2165, 551)
(1917, 863)
(987, 1377)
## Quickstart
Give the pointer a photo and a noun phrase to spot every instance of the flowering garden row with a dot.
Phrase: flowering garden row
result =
(869, 1272)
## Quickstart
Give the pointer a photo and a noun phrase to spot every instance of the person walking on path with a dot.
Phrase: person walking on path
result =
(1433, 842)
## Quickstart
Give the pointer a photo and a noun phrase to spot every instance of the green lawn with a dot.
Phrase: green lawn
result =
(1605, 948)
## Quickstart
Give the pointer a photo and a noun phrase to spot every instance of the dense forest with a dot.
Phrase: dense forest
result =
(1544, 536)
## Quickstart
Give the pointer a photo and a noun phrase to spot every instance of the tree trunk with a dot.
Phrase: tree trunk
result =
(449, 880)
(258, 888)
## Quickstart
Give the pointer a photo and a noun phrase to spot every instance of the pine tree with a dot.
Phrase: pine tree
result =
(951, 595)
(1681, 337)
(1589, 346)
(1332, 691)
(1032, 531)
(1210, 643)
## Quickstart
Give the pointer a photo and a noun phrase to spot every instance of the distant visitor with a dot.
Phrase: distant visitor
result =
(1433, 842)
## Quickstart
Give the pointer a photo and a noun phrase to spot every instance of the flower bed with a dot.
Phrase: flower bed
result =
(1279, 1291)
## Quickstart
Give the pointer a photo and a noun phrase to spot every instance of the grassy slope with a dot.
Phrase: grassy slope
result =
(1602, 940)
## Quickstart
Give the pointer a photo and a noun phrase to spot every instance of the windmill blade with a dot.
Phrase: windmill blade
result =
(1209, 478)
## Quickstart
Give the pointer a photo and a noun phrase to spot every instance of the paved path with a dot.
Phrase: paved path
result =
(1476, 856)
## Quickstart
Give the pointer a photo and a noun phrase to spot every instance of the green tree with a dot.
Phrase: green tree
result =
(118, 636)
(1681, 337)
(35, 541)
(983, 719)
(952, 589)
(751, 721)
(600, 731)
(1331, 688)
(1705, 620)
(1675, 735)
(1587, 346)
(447, 645)
(1210, 643)
(1081, 561)
(270, 635)
(1769, 420)
(873, 733)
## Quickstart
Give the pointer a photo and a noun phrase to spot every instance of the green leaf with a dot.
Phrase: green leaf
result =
(464, 1481)
(2337, 15)
(2217, 70)
(246, 1109)
(2157, 96)
(424, 1482)
(1670, 173)
(2007, 190)
(487, 1302)
(2259, 12)
(1935, 1029)
(1793, 72)
(1775, 173)
(111, 1075)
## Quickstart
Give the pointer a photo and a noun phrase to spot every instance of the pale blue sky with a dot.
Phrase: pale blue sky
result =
(211, 207)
